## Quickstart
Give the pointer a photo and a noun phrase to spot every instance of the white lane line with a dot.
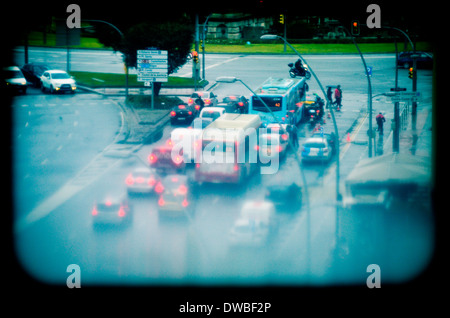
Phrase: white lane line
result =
(214, 65)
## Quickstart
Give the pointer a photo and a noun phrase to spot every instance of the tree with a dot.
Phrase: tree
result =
(174, 36)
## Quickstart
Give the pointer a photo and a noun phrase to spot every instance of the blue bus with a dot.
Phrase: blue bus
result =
(284, 96)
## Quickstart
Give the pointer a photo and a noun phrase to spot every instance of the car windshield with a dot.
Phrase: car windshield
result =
(211, 114)
(60, 76)
(13, 74)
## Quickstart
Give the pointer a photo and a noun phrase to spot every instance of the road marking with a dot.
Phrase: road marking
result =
(189, 74)
(90, 173)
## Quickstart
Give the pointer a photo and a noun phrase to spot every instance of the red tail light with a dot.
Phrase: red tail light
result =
(178, 160)
(189, 112)
(279, 148)
(159, 188)
(236, 168)
(207, 101)
(152, 158)
(197, 107)
(181, 107)
(94, 210)
(182, 189)
(173, 113)
(185, 203)
(121, 212)
(241, 104)
(161, 201)
(129, 180)
(190, 101)
(284, 137)
(151, 181)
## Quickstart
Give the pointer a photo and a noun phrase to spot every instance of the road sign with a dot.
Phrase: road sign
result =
(369, 70)
(152, 66)
(401, 96)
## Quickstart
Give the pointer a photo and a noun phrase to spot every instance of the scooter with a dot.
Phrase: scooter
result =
(294, 72)
(314, 116)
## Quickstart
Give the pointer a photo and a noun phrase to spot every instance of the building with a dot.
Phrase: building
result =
(236, 26)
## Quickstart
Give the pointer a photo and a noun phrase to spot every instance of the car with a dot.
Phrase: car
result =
(161, 159)
(316, 149)
(211, 113)
(330, 137)
(182, 113)
(423, 59)
(14, 80)
(55, 81)
(254, 226)
(240, 103)
(34, 71)
(189, 139)
(175, 197)
(208, 98)
(141, 180)
(286, 195)
(112, 211)
(199, 123)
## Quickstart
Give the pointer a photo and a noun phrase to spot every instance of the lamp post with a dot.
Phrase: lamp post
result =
(230, 79)
(122, 37)
(274, 37)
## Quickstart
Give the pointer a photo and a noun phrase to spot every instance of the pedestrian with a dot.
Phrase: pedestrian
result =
(338, 95)
(380, 121)
(329, 96)
(293, 134)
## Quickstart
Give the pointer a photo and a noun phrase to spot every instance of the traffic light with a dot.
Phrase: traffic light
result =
(411, 72)
(195, 56)
(355, 28)
(282, 18)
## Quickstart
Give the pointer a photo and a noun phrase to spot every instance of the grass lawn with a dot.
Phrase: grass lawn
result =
(98, 80)
(310, 48)
(36, 38)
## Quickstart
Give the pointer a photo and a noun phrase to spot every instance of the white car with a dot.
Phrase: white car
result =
(57, 81)
(316, 149)
(14, 79)
(211, 113)
(255, 225)
(208, 98)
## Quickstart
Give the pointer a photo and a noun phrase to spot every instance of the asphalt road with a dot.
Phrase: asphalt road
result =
(59, 147)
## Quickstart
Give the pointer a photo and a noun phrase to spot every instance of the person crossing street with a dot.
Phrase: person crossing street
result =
(380, 121)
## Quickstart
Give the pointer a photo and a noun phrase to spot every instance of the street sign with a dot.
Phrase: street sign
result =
(152, 66)
(401, 96)
(369, 70)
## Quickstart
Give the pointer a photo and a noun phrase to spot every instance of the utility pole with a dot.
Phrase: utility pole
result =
(195, 65)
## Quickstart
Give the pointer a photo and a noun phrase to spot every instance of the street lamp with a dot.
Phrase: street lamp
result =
(122, 37)
(274, 37)
(232, 79)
